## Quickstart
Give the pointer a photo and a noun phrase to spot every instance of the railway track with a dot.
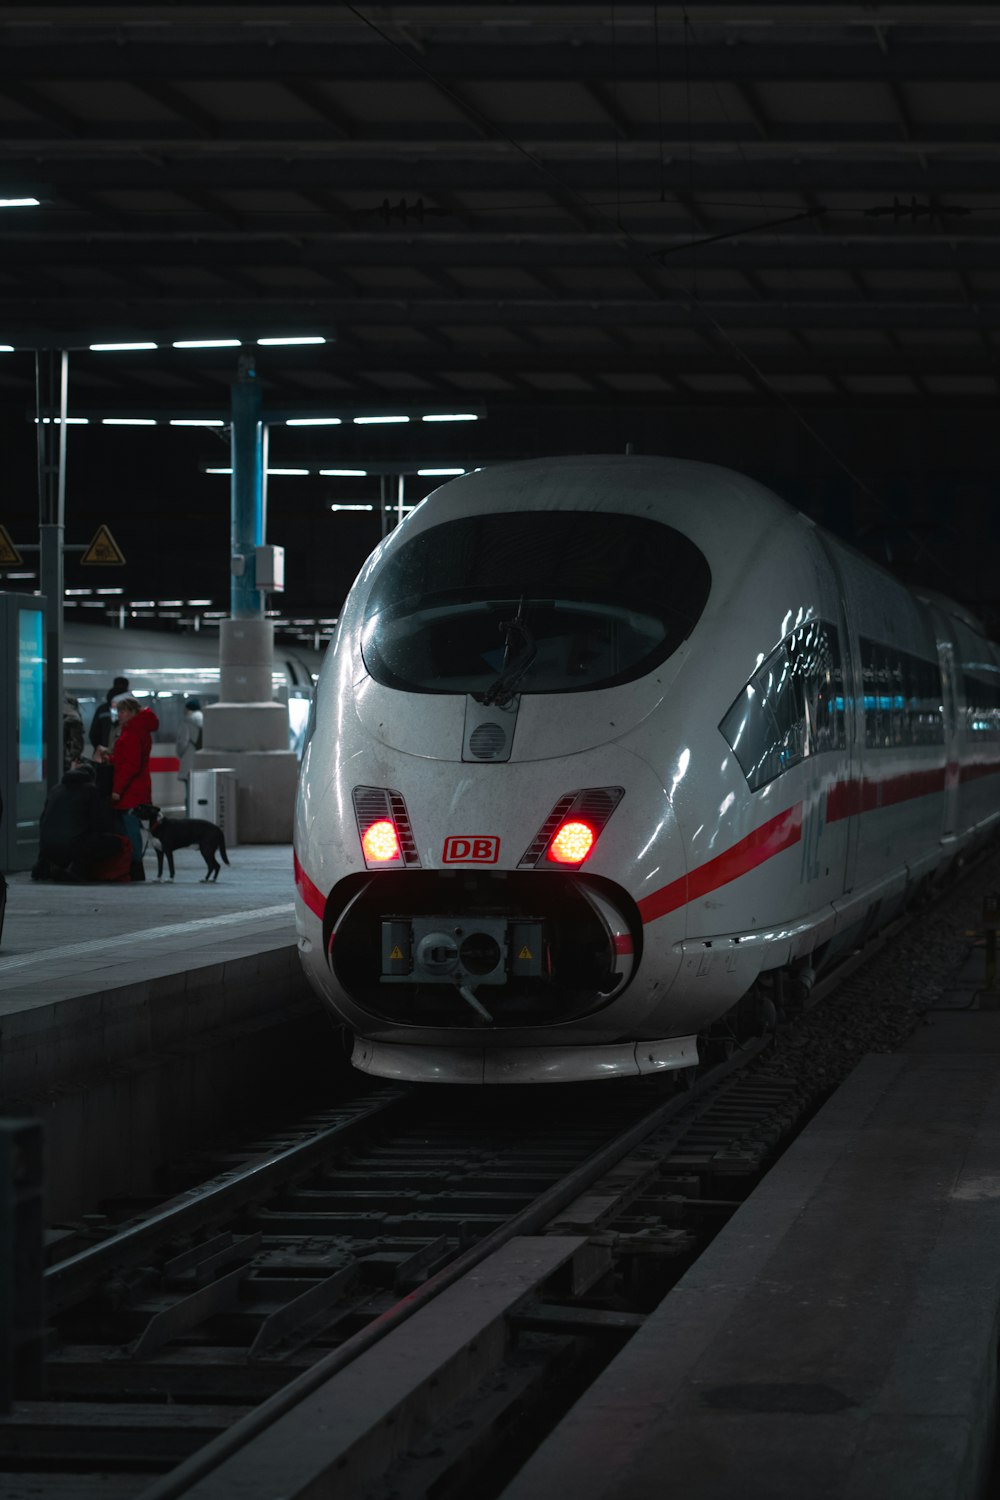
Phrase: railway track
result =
(187, 1329)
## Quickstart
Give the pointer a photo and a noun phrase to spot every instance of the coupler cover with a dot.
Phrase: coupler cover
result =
(476, 950)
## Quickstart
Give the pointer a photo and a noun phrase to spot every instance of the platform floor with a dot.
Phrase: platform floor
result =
(61, 941)
(838, 1339)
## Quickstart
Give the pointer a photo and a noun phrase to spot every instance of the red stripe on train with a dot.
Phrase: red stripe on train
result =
(311, 894)
(865, 794)
(974, 771)
(164, 763)
(759, 846)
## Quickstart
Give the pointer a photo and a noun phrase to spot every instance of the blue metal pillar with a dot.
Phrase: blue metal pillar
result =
(247, 492)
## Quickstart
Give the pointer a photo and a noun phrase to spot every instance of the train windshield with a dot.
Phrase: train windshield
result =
(533, 601)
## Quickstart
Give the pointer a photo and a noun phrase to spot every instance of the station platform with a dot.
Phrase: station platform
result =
(838, 1339)
(127, 1011)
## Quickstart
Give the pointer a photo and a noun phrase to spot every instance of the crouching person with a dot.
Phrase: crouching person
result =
(131, 783)
(75, 841)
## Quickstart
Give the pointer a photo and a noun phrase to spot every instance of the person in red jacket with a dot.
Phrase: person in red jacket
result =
(131, 784)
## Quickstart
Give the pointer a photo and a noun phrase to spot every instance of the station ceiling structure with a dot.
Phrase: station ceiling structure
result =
(595, 222)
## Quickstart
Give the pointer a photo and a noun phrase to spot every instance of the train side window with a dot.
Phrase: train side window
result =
(791, 708)
(874, 674)
(902, 697)
(752, 733)
(982, 712)
(924, 703)
(815, 654)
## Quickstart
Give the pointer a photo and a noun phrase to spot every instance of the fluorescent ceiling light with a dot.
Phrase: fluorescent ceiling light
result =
(218, 471)
(109, 591)
(21, 575)
(313, 422)
(452, 416)
(352, 507)
(170, 603)
(345, 473)
(306, 338)
(142, 604)
(78, 591)
(199, 601)
(368, 421)
(128, 421)
(71, 661)
(111, 348)
(431, 473)
(70, 421)
(91, 603)
(288, 471)
(18, 202)
(6, 348)
(197, 422)
(207, 343)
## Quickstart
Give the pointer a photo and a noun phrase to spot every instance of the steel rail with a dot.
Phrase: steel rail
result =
(530, 1219)
(70, 1279)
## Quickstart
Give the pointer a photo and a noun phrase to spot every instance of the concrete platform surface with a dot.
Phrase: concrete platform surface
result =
(838, 1339)
(61, 941)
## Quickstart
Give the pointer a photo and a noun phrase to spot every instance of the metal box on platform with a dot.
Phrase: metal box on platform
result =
(213, 797)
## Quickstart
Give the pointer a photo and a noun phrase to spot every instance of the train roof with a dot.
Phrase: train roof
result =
(626, 483)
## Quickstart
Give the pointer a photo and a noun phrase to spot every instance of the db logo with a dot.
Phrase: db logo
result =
(481, 850)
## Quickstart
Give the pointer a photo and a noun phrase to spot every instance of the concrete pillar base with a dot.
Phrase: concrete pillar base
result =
(246, 660)
(245, 726)
(265, 789)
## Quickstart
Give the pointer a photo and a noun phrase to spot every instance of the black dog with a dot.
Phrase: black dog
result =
(168, 834)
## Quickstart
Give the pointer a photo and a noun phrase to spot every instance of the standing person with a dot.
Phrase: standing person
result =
(102, 724)
(131, 784)
(189, 737)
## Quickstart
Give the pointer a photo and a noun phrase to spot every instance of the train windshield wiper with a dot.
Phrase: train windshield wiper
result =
(519, 652)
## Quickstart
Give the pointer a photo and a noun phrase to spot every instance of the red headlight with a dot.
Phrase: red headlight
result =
(572, 843)
(380, 843)
(572, 828)
(384, 828)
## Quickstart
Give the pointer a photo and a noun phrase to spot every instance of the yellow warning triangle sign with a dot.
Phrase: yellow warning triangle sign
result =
(104, 551)
(9, 555)
(525, 952)
(396, 953)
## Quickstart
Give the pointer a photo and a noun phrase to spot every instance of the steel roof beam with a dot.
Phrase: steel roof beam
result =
(323, 249)
(243, 317)
(892, 171)
(949, 53)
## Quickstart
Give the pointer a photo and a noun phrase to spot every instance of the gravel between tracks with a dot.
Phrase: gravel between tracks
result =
(879, 1007)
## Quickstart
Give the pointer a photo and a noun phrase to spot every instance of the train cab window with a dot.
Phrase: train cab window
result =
(792, 707)
(553, 601)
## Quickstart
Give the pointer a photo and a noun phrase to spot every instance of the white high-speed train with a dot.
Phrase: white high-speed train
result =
(605, 744)
(165, 669)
